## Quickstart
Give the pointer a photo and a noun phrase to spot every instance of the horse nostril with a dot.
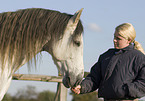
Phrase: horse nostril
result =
(68, 80)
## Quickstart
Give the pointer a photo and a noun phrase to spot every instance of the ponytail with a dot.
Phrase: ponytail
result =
(138, 46)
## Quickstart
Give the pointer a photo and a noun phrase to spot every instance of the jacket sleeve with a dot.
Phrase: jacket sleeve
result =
(136, 89)
(92, 81)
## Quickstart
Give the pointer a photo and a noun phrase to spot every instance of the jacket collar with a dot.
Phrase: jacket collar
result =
(118, 51)
(130, 47)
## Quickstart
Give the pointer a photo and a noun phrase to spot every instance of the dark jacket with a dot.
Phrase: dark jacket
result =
(119, 74)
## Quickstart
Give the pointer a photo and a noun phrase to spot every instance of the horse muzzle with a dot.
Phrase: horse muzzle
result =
(72, 81)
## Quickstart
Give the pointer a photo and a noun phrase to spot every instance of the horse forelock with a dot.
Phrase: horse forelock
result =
(24, 32)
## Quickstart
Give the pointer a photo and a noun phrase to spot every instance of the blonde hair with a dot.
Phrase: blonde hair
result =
(127, 31)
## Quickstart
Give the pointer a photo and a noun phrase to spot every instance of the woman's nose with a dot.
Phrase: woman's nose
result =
(114, 40)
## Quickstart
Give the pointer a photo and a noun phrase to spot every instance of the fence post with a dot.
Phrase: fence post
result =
(61, 94)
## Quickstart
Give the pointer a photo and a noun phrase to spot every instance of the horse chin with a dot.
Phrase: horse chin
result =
(67, 82)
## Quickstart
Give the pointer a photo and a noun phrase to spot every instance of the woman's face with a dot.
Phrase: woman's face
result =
(120, 42)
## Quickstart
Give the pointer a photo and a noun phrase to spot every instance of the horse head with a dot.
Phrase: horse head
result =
(67, 53)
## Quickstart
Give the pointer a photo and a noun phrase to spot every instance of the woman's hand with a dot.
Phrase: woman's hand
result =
(76, 89)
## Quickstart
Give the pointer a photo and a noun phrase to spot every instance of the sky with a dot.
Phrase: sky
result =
(99, 18)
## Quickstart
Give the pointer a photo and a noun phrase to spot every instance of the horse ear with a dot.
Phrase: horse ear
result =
(75, 19)
(76, 16)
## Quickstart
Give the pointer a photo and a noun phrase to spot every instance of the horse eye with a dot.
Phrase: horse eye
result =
(77, 43)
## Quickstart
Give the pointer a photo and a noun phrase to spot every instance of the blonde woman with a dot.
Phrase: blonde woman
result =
(119, 73)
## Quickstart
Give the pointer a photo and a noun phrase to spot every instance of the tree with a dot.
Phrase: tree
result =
(25, 94)
(46, 96)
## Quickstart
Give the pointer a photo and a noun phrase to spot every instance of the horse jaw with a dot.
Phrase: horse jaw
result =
(71, 77)
(69, 59)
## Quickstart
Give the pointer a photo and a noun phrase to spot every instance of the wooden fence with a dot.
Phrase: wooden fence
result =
(61, 94)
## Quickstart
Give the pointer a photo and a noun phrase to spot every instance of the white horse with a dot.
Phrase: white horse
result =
(25, 33)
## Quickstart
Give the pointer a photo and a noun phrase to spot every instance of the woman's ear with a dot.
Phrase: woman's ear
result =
(129, 40)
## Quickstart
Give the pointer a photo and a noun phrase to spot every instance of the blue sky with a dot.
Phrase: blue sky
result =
(99, 19)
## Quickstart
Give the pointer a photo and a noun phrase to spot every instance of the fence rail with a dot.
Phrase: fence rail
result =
(35, 77)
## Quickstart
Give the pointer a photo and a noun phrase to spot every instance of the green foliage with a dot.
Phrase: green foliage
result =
(86, 97)
(46, 96)
(7, 97)
(30, 94)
